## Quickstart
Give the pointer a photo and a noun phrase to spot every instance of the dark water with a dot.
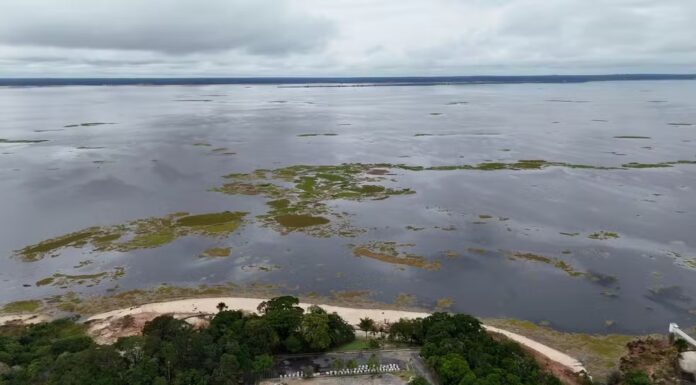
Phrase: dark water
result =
(147, 165)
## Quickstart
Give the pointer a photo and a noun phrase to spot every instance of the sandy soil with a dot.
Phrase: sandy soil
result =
(24, 319)
(196, 310)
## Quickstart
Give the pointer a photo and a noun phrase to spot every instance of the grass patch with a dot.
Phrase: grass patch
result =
(29, 306)
(357, 344)
(599, 353)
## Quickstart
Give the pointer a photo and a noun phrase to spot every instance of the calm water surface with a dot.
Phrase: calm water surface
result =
(147, 165)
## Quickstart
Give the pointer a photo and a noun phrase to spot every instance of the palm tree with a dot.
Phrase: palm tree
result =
(366, 325)
(221, 306)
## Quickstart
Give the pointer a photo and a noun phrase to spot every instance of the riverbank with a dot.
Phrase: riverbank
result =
(198, 308)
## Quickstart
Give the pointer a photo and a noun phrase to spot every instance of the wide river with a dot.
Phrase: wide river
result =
(607, 248)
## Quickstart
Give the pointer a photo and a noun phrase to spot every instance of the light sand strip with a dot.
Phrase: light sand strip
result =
(351, 315)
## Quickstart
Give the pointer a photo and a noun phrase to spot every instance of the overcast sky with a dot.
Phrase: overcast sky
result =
(345, 37)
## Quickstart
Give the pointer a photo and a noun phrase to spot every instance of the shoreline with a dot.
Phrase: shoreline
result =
(197, 307)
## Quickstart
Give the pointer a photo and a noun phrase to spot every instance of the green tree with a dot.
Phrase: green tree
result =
(260, 337)
(293, 344)
(453, 370)
(261, 364)
(315, 329)
(366, 325)
(95, 366)
(132, 348)
(221, 307)
(341, 332)
(283, 314)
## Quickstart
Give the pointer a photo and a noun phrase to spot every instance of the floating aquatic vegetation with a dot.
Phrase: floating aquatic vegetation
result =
(389, 252)
(632, 137)
(351, 296)
(404, 300)
(680, 124)
(298, 221)
(603, 235)
(65, 281)
(319, 134)
(570, 234)
(138, 234)
(444, 303)
(661, 293)
(456, 103)
(193, 100)
(525, 164)
(602, 279)
(216, 252)
(414, 228)
(451, 254)
(89, 148)
(203, 145)
(15, 141)
(689, 263)
(28, 306)
(298, 195)
(609, 293)
(89, 124)
(260, 267)
(555, 262)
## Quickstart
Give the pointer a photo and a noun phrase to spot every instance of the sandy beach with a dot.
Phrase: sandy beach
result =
(191, 308)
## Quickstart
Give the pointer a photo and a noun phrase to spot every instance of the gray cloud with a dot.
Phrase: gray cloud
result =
(265, 27)
(344, 37)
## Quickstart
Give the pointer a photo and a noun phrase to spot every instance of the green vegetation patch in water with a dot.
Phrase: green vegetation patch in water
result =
(25, 141)
(296, 221)
(555, 262)
(138, 234)
(298, 195)
(66, 280)
(389, 252)
(216, 252)
(603, 235)
(29, 306)
(631, 137)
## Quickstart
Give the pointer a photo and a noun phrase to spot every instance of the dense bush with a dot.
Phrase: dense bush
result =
(233, 347)
(462, 353)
